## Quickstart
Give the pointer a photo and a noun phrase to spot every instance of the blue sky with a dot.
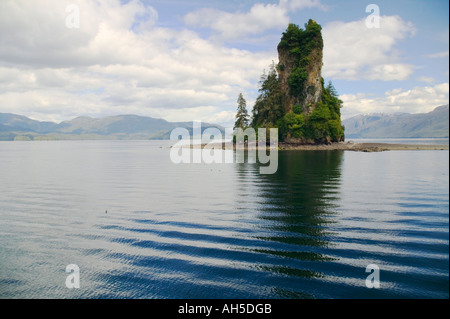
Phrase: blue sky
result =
(189, 60)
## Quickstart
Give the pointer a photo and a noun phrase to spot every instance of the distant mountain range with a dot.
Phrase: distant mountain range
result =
(434, 124)
(17, 127)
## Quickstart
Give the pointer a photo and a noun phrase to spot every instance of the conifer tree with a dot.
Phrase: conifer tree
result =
(242, 117)
(267, 109)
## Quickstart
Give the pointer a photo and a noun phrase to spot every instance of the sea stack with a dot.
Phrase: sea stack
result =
(300, 54)
(293, 97)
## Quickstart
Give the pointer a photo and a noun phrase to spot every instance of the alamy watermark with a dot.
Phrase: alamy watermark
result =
(210, 146)
(73, 280)
(373, 280)
(73, 17)
(373, 19)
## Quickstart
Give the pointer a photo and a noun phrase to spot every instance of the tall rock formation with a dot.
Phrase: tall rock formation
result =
(300, 54)
(293, 97)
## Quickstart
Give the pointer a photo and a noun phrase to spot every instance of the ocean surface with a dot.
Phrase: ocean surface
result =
(139, 226)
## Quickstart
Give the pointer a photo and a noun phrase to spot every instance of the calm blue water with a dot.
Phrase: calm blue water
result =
(222, 230)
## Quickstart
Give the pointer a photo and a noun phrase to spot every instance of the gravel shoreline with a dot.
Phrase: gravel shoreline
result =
(365, 147)
(343, 146)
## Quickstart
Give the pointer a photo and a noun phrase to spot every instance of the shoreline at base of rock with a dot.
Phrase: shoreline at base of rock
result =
(342, 146)
(365, 147)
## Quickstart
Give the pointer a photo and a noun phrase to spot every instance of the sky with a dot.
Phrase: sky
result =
(189, 60)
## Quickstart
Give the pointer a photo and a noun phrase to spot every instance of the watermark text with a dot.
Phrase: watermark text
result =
(210, 146)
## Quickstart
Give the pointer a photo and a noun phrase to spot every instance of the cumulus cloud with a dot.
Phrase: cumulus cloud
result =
(417, 100)
(260, 18)
(354, 52)
(293, 5)
(119, 61)
(36, 33)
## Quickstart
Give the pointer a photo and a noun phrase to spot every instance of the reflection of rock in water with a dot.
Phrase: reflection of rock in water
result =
(295, 205)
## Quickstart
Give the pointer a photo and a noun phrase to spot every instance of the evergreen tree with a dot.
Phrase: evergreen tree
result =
(242, 117)
(267, 110)
(331, 89)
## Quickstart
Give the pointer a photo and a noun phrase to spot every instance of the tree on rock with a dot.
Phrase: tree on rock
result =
(268, 106)
(242, 117)
(293, 96)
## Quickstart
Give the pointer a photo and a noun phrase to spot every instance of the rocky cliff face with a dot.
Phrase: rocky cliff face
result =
(293, 96)
(300, 54)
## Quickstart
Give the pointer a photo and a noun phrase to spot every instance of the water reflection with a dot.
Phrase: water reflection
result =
(294, 205)
(220, 231)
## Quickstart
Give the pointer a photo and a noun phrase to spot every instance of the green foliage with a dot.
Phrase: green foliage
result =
(292, 124)
(300, 43)
(323, 124)
(296, 80)
(242, 117)
(291, 37)
(267, 110)
(297, 109)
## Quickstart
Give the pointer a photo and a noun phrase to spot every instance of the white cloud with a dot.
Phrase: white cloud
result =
(417, 100)
(118, 62)
(293, 5)
(35, 33)
(223, 117)
(260, 18)
(354, 52)
(427, 79)
(443, 54)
